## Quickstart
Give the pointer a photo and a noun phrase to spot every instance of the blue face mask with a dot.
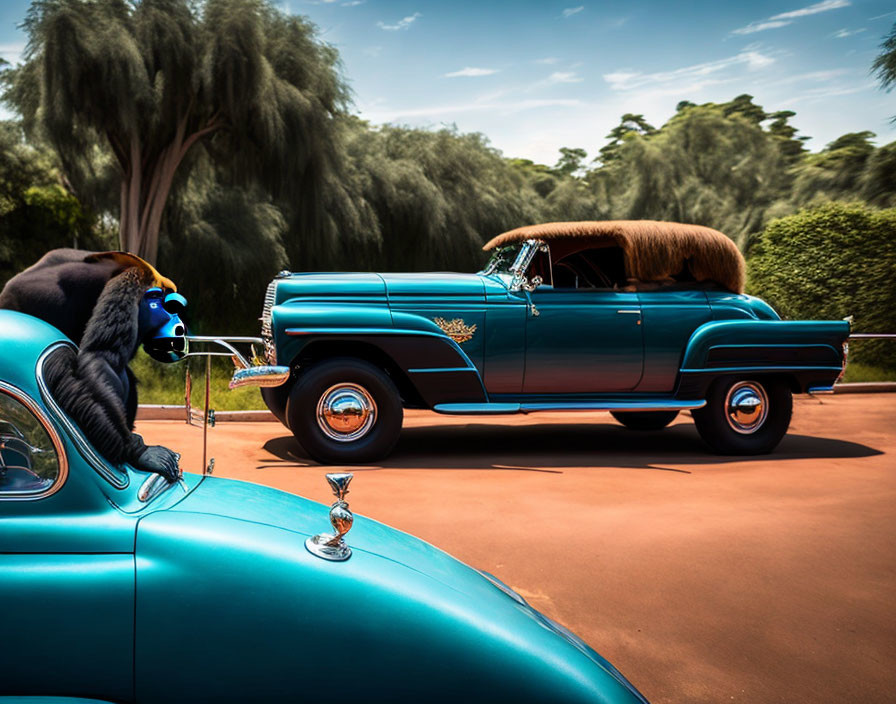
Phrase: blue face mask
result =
(164, 334)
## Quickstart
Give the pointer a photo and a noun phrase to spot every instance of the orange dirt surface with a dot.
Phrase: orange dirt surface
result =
(702, 578)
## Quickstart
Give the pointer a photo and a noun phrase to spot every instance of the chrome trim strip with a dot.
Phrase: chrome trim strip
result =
(751, 370)
(62, 459)
(872, 336)
(396, 332)
(815, 390)
(361, 331)
(119, 481)
(267, 333)
(521, 263)
(476, 408)
(437, 370)
(509, 408)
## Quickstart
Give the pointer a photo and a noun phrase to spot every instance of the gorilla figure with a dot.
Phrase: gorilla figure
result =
(107, 303)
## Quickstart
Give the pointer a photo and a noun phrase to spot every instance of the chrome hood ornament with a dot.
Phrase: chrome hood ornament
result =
(331, 546)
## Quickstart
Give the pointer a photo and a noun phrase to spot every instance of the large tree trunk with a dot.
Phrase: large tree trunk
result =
(145, 188)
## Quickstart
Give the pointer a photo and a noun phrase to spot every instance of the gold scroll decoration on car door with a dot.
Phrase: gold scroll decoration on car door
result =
(456, 329)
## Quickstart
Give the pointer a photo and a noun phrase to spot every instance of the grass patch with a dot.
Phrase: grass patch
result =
(856, 372)
(164, 384)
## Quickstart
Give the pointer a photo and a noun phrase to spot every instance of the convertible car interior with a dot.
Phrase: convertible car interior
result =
(24, 467)
(572, 264)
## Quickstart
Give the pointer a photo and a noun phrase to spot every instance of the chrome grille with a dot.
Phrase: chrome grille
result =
(270, 352)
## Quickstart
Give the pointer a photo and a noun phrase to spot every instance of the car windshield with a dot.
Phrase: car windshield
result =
(502, 259)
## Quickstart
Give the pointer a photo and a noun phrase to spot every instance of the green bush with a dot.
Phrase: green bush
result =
(828, 262)
(164, 384)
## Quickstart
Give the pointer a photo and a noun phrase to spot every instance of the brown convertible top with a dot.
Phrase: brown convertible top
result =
(654, 250)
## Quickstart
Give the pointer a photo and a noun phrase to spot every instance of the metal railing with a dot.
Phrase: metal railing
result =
(206, 418)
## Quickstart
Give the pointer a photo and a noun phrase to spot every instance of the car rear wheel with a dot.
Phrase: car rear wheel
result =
(345, 411)
(744, 416)
(645, 420)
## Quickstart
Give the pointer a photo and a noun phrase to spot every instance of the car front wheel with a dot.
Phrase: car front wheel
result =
(345, 411)
(744, 416)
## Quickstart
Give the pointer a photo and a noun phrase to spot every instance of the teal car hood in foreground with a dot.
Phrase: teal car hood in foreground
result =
(275, 622)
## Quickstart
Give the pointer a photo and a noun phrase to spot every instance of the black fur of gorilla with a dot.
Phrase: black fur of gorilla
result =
(93, 385)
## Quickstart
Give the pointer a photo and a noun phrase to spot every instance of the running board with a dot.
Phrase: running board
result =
(486, 409)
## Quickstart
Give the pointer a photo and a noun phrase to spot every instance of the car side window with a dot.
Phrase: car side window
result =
(29, 463)
(598, 268)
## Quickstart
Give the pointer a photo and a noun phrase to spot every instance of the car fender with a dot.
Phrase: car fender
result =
(428, 359)
(810, 353)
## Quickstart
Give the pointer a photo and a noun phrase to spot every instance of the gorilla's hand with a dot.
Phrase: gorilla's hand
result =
(160, 460)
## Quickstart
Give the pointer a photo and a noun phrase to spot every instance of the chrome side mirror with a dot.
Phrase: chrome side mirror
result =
(331, 546)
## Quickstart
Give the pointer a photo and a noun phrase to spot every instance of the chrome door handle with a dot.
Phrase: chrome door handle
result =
(636, 312)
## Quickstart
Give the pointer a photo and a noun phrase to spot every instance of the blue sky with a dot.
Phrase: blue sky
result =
(536, 76)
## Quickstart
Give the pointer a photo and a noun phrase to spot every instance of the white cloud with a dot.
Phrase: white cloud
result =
(843, 33)
(12, 52)
(353, 3)
(564, 77)
(471, 71)
(696, 75)
(380, 114)
(760, 27)
(547, 60)
(815, 94)
(570, 11)
(785, 18)
(403, 23)
(813, 9)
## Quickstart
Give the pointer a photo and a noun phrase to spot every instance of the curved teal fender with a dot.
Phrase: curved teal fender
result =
(427, 358)
(271, 622)
(792, 335)
(807, 354)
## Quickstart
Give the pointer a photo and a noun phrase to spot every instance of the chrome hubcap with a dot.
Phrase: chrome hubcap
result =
(346, 412)
(746, 407)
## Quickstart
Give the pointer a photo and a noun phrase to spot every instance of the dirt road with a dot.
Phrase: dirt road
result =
(703, 578)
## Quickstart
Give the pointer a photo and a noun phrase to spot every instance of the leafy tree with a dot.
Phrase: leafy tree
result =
(37, 212)
(791, 146)
(836, 171)
(542, 178)
(630, 125)
(744, 106)
(885, 64)
(877, 184)
(570, 162)
(709, 165)
(436, 196)
(237, 234)
(154, 80)
(830, 261)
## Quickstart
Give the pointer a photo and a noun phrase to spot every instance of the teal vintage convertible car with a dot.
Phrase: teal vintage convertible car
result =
(643, 319)
(118, 586)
